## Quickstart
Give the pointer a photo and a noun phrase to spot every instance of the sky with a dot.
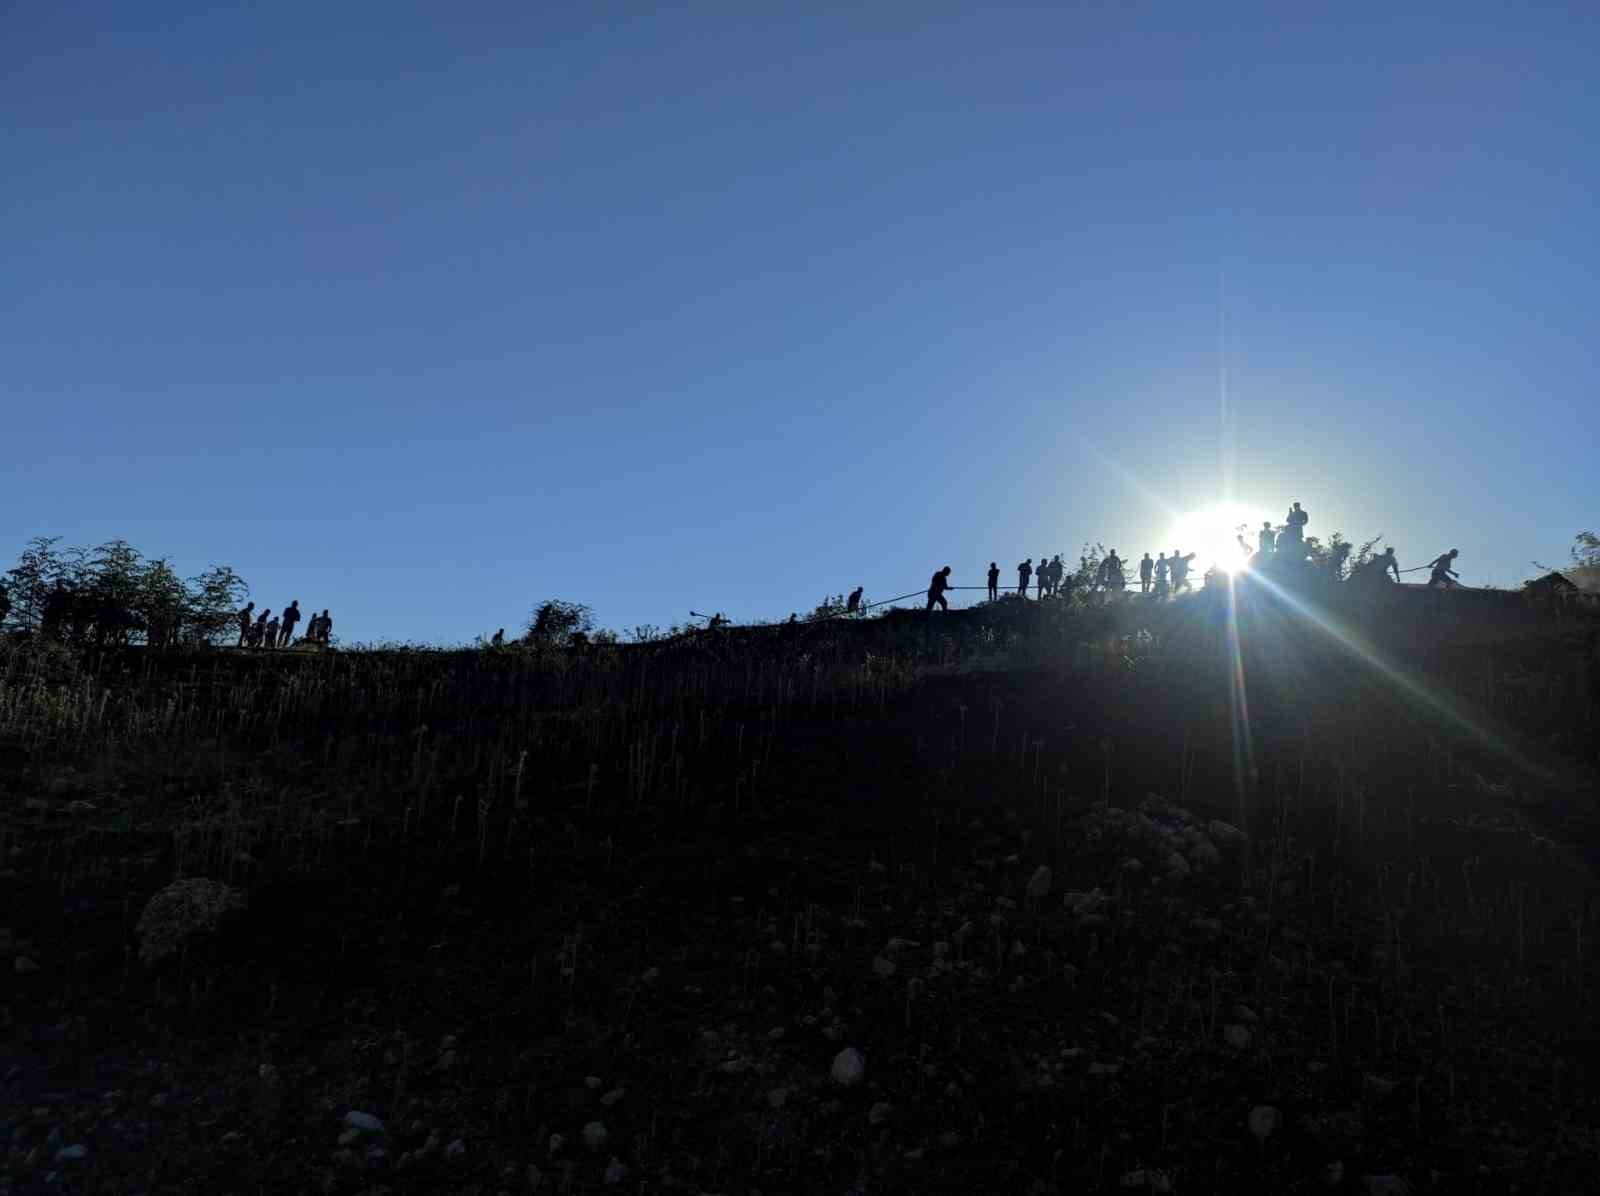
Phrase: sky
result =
(425, 313)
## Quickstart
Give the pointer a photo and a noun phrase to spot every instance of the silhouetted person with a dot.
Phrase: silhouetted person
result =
(853, 605)
(258, 632)
(1295, 524)
(290, 618)
(498, 639)
(1379, 567)
(246, 617)
(1058, 573)
(1266, 539)
(273, 626)
(1147, 569)
(1179, 564)
(1443, 575)
(327, 626)
(1024, 571)
(1041, 577)
(937, 585)
(1114, 575)
(994, 582)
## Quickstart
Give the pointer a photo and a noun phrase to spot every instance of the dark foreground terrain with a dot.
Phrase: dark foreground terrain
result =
(1009, 901)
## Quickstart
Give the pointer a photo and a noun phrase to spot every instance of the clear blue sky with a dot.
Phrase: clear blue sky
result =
(424, 312)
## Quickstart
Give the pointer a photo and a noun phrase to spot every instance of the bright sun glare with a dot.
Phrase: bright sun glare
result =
(1210, 533)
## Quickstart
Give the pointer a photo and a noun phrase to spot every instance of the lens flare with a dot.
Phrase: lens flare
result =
(1214, 533)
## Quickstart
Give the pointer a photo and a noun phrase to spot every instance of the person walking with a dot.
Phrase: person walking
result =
(326, 629)
(272, 632)
(1024, 572)
(1443, 575)
(290, 618)
(245, 621)
(1147, 568)
(937, 585)
(994, 582)
(1179, 565)
(258, 632)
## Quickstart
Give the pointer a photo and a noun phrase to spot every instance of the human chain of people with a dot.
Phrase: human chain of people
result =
(1281, 550)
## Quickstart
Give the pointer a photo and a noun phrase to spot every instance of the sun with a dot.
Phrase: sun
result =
(1212, 534)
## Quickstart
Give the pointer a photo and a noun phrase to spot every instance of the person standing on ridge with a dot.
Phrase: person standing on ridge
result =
(1295, 526)
(258, 632)
(1147, 568)
(1042, 577)
(1024, 572)
(853, 605)
(1266, 539)
(290, 618)
(937, 585)
(994, 582)
(245, 620)
(1443, 575)
(325, 627)
(272, 632)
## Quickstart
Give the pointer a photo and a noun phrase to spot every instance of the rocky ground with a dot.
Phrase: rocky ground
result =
(898, 970)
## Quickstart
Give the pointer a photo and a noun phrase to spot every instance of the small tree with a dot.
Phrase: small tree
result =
(1585, 570)
(555, 623)
(831, 605)
(33, 577)
(213, 604)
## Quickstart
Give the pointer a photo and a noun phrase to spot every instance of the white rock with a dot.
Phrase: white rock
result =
(595, 1136)
(349, 1137)
(613, 1097)
(879, 1113)
(593, 1082)
(365, 1122)
(1263, 1120)
(1039, 882)
(1226, 833)
(72, 1154)
(458, 1147)
(848, 1067)
(1385, 1185)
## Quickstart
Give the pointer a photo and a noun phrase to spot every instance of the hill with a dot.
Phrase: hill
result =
(1287, 893)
